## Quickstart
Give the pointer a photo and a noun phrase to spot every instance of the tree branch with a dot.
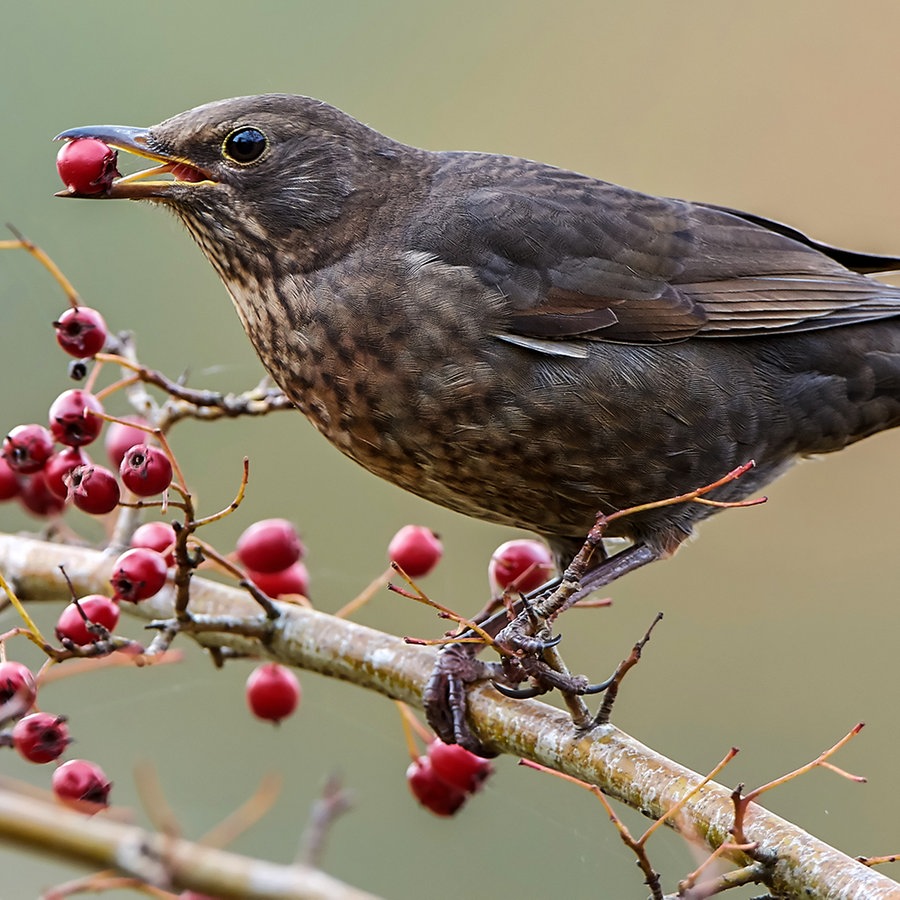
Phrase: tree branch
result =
(159, 859)
(607, 757)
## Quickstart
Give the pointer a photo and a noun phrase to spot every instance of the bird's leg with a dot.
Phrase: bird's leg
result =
(524, 638)
(601, 553)
(579, 579)
(526, 635)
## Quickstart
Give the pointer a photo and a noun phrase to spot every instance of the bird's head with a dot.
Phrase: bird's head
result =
(274, 172)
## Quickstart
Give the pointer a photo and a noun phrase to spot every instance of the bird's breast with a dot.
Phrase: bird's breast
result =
(393, 362)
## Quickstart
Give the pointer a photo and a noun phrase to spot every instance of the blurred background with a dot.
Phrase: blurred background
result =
(781, 626)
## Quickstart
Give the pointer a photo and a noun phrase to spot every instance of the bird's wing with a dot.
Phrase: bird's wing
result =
(866, 263)
(579, 258)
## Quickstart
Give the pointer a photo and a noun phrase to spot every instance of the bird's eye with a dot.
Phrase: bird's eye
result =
(244, 145)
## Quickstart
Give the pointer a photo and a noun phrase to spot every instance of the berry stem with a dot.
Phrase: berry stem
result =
(33, 633)
(103, 393)
(365, 595)
(179, 483)
(238, 498)
(247, 814)
(92, 378)
(445, 612)
(209, 552)
(411, 728)
(22, 243)
(695, 496)
(213, 556)
(820, 760)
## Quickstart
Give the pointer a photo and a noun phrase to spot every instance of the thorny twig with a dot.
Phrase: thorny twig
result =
(639, 845)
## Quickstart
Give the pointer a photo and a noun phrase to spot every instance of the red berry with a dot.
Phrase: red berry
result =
(93, 489)
(432, 792)
(37, 498)
(18, 689)
(269, 546)
(59, 466)
(122, 436)
(145, 471)
(27, 447)
(273, 692)
(523, 565)
(159, 536)
(292, 580)
(82, 785)
(9, 481)
(458, 767)
(100, 610)
(87, 166)
(416, 549)
(80, 331)
(41, 737)
(138, 574)
(72, 419)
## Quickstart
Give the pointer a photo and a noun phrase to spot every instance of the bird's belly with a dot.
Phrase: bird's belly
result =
(481, 439)
(475, 464)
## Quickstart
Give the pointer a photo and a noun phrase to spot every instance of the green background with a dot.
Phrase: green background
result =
(781, 621)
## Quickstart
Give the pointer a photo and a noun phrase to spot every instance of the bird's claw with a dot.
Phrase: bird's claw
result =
(445, 697)
(518, 693)
(600, 686)
(544, 678)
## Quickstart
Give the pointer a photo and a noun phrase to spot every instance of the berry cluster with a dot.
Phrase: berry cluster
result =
(446, 776)
(45, 477)
(46, 467)
(138, 574)
(42, 737)
(271, 551)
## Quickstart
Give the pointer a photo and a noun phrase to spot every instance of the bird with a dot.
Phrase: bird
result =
(517, 342)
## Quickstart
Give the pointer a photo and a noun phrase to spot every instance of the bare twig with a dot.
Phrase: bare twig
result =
(333, 803)
(205, 404)
(43, 258)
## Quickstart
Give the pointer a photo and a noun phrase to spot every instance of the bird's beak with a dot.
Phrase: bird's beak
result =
(144, 184)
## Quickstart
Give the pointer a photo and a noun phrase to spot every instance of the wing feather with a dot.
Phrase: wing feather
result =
(578, 258)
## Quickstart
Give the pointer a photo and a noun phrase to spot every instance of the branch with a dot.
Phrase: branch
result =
(159, 859)
(607, 757)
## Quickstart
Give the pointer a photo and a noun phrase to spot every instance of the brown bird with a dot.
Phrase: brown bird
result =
(516, 342)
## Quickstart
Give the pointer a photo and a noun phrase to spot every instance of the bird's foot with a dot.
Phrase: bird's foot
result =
(457, 668)
(445, 694)
(526, 658)
(528, 652)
